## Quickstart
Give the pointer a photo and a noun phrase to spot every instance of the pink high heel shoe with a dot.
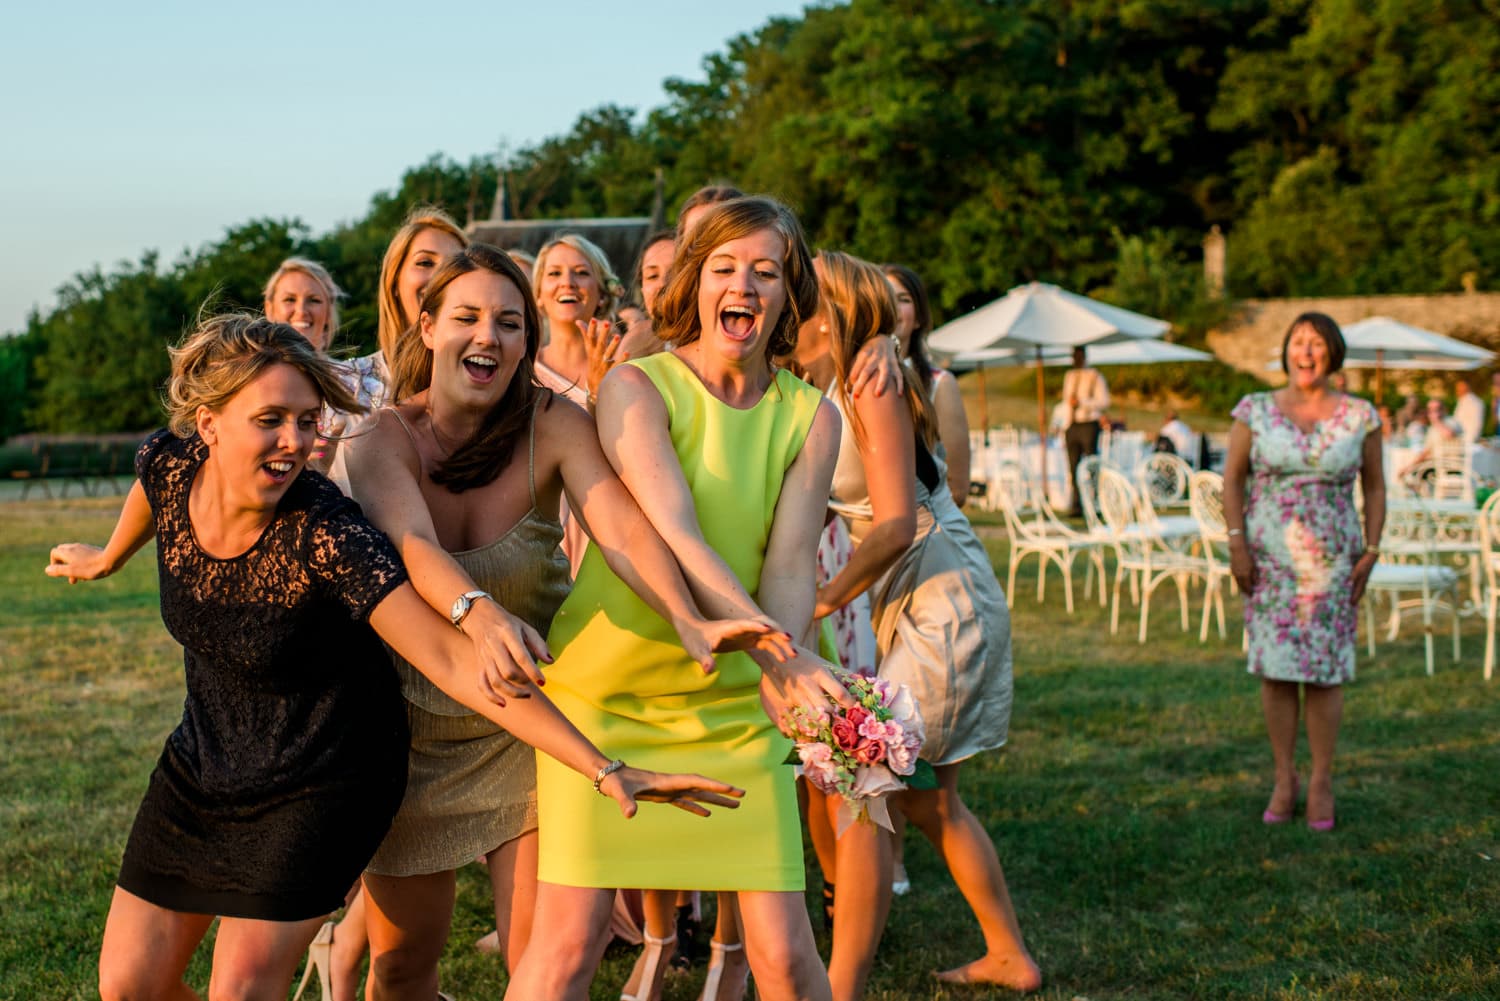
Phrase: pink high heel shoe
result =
(1269, 816)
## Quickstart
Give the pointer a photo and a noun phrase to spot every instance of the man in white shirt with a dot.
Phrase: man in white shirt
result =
(1469, 412)
(1180, 435)
(1087, 398)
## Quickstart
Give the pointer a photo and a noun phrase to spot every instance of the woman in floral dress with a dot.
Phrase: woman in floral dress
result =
(1296, 550)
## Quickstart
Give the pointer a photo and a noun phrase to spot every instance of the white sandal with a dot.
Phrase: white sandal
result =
(320, 958)
(655, 955)
(715, 987)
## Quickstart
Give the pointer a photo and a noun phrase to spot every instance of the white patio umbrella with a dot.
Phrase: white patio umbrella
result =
(1035, 317)
(1137, 352)
(1381, 342)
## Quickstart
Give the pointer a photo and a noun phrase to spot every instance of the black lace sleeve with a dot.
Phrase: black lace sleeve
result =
(147, 469)
(353, 560)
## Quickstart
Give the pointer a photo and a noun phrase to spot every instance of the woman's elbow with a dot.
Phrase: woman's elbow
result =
(900, 532)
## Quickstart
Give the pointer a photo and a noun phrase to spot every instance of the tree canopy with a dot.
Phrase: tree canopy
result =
(1344, 148)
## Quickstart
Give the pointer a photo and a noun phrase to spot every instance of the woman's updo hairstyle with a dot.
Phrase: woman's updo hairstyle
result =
(317, 273)
(226, 353)
(675, 313)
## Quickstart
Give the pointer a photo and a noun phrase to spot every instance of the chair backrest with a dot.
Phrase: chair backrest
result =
(1163, 479)
(1489, 538)
(1015, 496)
(1206, 504)
(1452, 475)
(1119, 509)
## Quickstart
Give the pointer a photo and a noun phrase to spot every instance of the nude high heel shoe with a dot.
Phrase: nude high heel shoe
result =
(652, 966)
(320, 958)
(718, 987)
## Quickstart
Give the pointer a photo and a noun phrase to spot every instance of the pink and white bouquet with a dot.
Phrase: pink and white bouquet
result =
(859, 752)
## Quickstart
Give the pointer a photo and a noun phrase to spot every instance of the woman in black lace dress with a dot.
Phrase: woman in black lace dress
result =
(282, 777)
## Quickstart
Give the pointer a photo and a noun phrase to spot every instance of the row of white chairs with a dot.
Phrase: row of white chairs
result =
(1153, 547)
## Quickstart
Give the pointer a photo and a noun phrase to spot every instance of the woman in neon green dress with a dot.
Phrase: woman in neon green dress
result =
(730, 460)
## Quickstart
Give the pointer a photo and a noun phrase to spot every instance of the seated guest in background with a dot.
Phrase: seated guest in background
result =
(1414, 430)
(1387, 424)
(1440, 426)
(1468, 410)
(1175, 432)
(1411, 409)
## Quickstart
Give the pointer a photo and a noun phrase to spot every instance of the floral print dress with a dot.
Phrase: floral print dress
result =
(1304, 535)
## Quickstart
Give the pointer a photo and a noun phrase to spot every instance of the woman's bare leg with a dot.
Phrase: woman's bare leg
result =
(659, 908)
(1278, 701)
(560, 965)
(407, 918)
(513, 879)
(350, 943)
(1325, 711)
(971, 858)
(256, 960)
(862, 902)
(782, 951)
(146, 949)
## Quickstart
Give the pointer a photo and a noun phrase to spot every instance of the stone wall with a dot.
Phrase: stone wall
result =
(1253, 334)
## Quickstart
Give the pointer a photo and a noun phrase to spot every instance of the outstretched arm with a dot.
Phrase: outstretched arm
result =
(633, 549)
(384, 473)
(633, 429)
(79, 561)
(426, 640)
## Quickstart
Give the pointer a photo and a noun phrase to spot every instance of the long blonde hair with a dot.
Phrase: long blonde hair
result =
(856, 300)
(393, 319)
(611, 290)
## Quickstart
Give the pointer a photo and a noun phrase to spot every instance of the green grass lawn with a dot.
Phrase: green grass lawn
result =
(1126, 808)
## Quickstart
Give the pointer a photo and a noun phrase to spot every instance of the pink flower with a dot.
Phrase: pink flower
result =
(870, 752)
(873, 729)
(845, 734)
(818, 765)
(902, 758)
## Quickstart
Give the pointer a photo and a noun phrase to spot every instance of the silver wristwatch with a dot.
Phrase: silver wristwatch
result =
(463, 604)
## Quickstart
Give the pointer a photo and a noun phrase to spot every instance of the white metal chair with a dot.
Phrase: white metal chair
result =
(1163, 480)
(1206, 501)
(1408, 566)
(1139, 551)
(1453, 474)
(1035, 531)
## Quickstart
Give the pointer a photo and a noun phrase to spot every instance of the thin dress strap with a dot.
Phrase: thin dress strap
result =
(531, 453)
(409, 432)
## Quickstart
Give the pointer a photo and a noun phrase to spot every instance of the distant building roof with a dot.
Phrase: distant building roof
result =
(621, 238)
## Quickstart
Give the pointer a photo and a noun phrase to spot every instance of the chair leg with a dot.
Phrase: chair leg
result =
(1067, 574)
(1370, 624)
(1182, 599)
(1146, 589)
(1010, 587)
(1114, 615)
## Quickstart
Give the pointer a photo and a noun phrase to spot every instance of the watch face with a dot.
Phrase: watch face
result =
(460, 605)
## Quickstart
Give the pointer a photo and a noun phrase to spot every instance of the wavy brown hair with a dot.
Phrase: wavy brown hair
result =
(393, 319)
(674, 316)
(481, 457)
(857, 302)
(916, 347)
(226, 353)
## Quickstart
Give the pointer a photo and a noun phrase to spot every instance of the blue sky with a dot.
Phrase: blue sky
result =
(158, 125)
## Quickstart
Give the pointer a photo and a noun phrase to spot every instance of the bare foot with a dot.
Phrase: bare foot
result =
(1019, 973)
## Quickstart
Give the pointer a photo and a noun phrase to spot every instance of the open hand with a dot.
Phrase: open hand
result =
(693, 793)
(1242, 567)
(603, 346)
(702, 638)
(78, 561)
(804, 680)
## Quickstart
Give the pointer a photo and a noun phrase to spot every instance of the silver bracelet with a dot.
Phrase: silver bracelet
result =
(606, 772)
(1235, 531)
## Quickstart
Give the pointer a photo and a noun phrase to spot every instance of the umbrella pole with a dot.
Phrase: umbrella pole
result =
(1379, 377)
(984, 407)
(1041, 421)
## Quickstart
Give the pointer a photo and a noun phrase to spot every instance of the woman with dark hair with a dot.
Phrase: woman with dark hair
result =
(913, 324)
(289, 761)
(699, 202)
(465, 475)
(1296, 550)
